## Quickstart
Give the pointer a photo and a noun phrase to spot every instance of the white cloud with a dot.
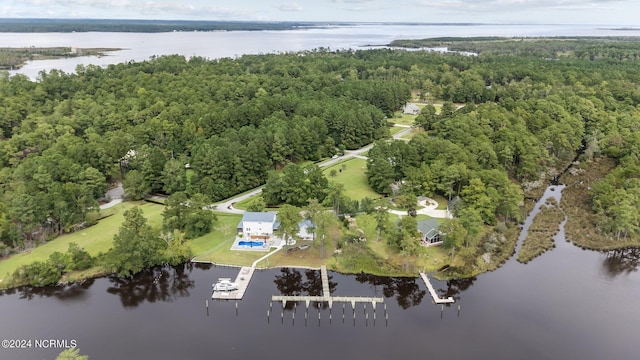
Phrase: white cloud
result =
(514, 5)
(351, 1)
(161, 9)
(487, 11)
(290, 7)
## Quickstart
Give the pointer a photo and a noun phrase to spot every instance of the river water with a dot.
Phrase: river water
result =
(213, 45)
(566, 304)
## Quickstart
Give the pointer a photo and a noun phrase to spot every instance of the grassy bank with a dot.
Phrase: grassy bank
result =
(544, 227)
(492, 249)
(427, 259)
(98, 239)
(95, 239)
(581, 227)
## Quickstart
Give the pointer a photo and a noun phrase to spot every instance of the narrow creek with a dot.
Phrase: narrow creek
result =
(552, 191)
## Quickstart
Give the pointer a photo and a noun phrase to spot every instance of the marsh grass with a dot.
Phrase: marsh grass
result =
(545, 225)
(581, 227)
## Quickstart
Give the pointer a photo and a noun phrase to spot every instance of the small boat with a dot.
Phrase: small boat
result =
(225, 284)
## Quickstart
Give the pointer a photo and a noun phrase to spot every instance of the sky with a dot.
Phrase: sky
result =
(610, 12)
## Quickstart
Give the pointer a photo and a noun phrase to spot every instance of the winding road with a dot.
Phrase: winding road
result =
(227, 205)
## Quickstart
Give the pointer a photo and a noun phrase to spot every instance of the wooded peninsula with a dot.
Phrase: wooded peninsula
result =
(492, 131)
(15, 58)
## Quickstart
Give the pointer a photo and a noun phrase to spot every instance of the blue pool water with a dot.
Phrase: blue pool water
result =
(250, 243)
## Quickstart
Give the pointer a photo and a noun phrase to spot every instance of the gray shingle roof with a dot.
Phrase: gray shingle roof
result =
(428, 227)
(265, 217)
(259, 216)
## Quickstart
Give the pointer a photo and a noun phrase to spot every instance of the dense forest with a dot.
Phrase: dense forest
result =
(66, 135)
(609, 49)
(509, 120)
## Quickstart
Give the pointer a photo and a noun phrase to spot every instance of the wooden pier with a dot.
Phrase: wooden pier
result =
(326, 295)
(437, 299)
(243, 279)
(325, 281)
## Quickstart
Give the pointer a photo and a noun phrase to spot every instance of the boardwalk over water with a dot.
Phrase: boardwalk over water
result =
(326, 295)
(437, 299)
(243, 279)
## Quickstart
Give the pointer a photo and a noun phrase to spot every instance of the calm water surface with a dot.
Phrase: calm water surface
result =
(567, 304)
(213, 45)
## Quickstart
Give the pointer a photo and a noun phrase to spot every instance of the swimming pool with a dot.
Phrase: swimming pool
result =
(250, 243)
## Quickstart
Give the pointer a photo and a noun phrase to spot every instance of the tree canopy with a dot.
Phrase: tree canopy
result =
(508, 116)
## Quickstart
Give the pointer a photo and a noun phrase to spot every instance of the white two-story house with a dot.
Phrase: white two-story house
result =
(261, 225)
(257, 225)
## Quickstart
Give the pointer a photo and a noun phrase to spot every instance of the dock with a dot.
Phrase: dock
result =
(243, 279)
(437, 299)
(326, 295)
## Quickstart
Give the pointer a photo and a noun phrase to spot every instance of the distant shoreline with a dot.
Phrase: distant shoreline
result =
(44, 25)
(623, 29)
(144, 26)
(12, 58)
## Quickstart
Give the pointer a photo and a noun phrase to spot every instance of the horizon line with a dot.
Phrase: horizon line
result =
(327, 22)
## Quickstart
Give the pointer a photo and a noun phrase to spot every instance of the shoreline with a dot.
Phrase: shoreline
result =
(95, 273)
(14, 58)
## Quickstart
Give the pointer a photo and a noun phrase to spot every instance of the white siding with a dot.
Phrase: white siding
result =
(257, 228)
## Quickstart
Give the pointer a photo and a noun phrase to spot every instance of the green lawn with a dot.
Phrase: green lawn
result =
(243, 204)
(353, 178)
(216, 246)
(442, 201)
(395, 129)
(95, 239)
(224, 229)
(427, 259)
(403, 119)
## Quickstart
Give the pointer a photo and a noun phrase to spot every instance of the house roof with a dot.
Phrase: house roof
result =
(411, 108)
(429, 227)
(306, 223)
(259, 217)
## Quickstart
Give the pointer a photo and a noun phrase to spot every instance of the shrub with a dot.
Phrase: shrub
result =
(80, 259)
(38, 273)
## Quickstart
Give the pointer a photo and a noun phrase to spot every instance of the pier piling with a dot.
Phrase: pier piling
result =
(326, 297)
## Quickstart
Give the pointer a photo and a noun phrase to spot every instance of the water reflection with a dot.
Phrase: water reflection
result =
(406, 291)
(624, 261)
(156, 284)
(456, 287)
(72, 292)
(290, 283)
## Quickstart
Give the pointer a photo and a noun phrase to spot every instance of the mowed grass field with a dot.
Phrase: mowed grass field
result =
(404, 119)
(95, 239)
(216, 245)
(353, 178)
